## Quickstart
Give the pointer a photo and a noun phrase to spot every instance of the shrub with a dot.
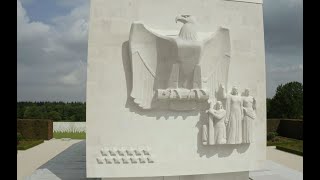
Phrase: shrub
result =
(19, 137)
(35, 128)
(271, 135)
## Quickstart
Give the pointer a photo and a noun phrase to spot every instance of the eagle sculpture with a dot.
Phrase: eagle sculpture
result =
(187, 67)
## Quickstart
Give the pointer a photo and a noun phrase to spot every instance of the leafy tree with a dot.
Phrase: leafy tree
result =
(73, 118)
(57, 111)
(33, 112)
(268, 107)
(54, 115)
(287, 102)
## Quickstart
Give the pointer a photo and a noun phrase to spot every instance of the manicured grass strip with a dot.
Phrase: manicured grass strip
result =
(289, 145)
(26, 144)
(282, 140)
(58, 135)
(289, 150)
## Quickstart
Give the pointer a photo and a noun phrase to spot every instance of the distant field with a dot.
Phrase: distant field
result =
(59, 135)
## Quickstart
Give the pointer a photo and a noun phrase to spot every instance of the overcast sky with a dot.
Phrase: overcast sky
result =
(52, 47)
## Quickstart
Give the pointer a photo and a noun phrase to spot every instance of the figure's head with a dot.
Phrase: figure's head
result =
(247, 92)
(218, 105)
(186, 19)
(234, 90)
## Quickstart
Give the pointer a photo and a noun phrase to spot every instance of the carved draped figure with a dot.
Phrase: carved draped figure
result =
(219, 126)
(249, 116)
(234, 118)
(211, 129)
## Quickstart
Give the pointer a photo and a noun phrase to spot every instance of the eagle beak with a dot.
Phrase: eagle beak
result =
(181, 18)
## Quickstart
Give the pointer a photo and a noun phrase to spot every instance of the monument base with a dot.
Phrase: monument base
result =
(221, 176)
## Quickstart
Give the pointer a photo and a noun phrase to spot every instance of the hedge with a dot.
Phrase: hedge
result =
(35, 128)
(289, 150)
(291, 128)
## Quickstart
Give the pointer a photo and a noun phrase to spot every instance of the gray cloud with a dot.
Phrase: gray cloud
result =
(52, 57)
(283, 23)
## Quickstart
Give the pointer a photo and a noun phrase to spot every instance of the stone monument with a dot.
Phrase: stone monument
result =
(175, 89)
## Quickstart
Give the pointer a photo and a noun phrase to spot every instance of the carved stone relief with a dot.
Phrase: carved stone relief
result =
(122, 155)
(186, 69)
(181, 70)
(215, 133)
(233, 125)
(100, 160)
(249, 114)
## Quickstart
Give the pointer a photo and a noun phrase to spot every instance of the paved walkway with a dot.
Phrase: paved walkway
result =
(287, 159)
(45, 162)
(275, 171)
(29, 160)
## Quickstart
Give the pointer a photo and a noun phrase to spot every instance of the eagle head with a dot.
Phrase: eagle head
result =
(186, 19)
(188, 30)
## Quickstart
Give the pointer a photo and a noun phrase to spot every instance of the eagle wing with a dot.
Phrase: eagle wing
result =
(215, 62)
(149, 51)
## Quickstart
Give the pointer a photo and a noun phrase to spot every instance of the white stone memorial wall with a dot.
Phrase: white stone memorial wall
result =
(128, 137)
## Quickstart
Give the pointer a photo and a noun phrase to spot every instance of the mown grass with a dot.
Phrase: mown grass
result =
(59, 135)
(294, 146)
(281, 140)
(27, 144)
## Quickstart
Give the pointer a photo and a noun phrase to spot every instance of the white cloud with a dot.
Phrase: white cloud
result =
(76, 76)
(49, 55)
(287, 69)
(28, 30)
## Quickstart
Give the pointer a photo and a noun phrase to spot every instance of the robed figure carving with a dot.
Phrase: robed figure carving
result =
(249, 107)
(234, 116)
(215, 132)
(187, 66)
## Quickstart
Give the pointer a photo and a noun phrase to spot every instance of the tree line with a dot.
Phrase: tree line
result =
(56, 111)
(287, 102)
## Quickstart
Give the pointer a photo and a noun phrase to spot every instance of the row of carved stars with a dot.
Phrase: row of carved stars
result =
(123, 152)
(124, 160)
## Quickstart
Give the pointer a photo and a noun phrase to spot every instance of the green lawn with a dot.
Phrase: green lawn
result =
(69, 135)
(295, 148)
(287, 144)
(281, 140)
(26, 144)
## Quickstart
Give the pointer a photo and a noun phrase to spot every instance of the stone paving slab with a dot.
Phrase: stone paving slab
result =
(70, 165)
(31, 159)
(275, 171)
(290, 160)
